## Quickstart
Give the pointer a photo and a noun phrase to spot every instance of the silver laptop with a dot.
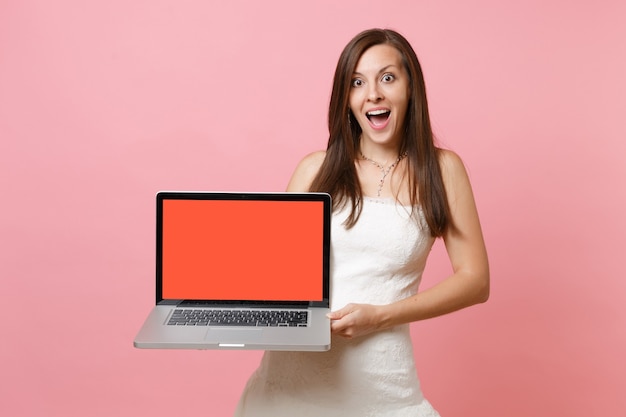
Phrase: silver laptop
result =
(240, 271)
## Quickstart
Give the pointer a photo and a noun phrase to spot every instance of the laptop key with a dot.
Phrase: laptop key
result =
(231, 323)
(239, 318)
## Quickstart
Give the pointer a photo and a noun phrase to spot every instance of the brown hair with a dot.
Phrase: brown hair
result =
(338, 175)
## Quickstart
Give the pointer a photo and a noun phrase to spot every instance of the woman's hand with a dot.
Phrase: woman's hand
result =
(356, 320)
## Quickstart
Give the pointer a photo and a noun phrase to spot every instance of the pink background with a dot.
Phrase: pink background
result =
(102, 103)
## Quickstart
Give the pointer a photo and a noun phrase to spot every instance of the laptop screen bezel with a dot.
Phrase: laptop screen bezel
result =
(325, 198)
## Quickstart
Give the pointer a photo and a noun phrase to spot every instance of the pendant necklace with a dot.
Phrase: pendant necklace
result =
(384, 170)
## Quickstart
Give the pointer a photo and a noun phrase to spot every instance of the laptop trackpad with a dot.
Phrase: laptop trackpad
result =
(233, 335)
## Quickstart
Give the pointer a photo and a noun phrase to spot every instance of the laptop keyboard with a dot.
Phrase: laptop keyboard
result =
(252, 318)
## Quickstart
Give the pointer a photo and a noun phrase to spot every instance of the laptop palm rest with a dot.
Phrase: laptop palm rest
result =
(233, 335)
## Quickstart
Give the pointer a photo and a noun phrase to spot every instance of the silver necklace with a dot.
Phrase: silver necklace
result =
(384, 170)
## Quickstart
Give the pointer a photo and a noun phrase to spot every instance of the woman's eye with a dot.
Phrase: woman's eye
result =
(388, 78)
(357, 82)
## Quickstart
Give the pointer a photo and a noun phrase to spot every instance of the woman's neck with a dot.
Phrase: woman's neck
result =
(382, 155)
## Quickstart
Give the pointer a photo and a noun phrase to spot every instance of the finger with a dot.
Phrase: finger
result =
(341, 328)
(338, 314)
(335, 315)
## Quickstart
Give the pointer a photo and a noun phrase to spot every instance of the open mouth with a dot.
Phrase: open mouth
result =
(378, 117)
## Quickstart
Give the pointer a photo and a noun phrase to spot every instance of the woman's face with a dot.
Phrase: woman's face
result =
(379, 95)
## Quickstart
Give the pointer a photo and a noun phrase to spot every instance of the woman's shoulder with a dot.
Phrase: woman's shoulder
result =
(305, 172)
(448, 158)
(314, 159)
(454, 174)
(451, 163)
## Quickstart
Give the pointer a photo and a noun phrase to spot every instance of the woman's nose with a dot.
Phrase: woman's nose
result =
(374, 93)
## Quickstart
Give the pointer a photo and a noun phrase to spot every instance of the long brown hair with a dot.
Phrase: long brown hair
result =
(337, 174)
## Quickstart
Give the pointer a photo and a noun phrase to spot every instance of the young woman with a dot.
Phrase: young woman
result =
(394, 192)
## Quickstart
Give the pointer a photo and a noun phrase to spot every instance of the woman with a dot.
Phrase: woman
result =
(394, 192)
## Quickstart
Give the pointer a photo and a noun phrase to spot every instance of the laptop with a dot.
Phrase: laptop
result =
(240, 271)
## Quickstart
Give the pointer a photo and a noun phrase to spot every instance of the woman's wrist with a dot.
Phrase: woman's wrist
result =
(385, 316)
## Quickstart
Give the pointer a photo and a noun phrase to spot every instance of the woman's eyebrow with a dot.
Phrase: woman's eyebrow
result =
(379, 72)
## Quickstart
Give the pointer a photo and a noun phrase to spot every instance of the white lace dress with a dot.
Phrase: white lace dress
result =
(378, 261)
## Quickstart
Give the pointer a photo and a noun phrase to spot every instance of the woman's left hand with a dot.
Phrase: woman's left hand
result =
(355, 320)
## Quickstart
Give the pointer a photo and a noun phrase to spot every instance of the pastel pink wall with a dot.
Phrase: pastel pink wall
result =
(103, 103)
